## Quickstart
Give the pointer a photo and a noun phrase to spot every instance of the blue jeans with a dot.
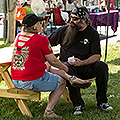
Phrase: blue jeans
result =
(48, 82)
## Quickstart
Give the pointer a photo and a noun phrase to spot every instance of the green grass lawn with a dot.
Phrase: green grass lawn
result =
(10, 111)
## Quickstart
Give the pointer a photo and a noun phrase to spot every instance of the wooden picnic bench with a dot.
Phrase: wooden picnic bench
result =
(18, 94)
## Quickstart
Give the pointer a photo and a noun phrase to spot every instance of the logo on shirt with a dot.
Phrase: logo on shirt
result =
(85, 41)
(49, 46)
(20, 59)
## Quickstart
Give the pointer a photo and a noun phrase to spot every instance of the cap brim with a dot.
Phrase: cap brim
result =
(41, 18)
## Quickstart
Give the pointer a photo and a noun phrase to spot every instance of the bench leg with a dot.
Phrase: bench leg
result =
(7, 79)
(0, 78)
(66, 95)
(21, 103)
(23, 107)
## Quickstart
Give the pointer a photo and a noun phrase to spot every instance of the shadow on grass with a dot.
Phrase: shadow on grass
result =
(9, 109)
(115, 61)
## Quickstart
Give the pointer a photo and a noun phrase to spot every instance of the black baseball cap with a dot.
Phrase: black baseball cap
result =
(31, 19)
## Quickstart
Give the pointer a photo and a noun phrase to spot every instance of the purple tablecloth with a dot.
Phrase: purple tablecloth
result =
(100, 19)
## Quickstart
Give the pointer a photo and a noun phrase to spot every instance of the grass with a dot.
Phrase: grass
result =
(10, 111)
(2, 44)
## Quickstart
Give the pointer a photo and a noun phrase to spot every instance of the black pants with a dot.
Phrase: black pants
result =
(100, 71)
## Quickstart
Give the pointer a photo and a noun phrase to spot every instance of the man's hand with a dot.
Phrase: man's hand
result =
(77, 62)
(92, 59)
(48, 66)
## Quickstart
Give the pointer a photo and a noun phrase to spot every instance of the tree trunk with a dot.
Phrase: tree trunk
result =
(11, 21)
(5, 22)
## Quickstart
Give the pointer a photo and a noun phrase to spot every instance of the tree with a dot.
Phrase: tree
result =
(11, 20)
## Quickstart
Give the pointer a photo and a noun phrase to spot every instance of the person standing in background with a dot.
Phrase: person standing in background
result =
(20, 13)
(58, 16)
(29, 3)
(28, 9)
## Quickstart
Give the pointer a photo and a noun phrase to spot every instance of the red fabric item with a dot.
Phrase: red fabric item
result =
(112, 8)
(57, 17)
(111, 2)
(28, 57)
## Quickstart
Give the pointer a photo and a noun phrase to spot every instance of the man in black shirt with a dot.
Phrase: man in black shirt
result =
(81, 40)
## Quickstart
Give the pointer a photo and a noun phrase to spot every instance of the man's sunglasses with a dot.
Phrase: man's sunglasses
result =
(74, 18)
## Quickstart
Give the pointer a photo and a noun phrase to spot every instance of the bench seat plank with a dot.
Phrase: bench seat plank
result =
(5, 93)
(20, 91)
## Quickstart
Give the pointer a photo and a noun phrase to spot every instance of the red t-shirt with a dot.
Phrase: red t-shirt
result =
(28, 56)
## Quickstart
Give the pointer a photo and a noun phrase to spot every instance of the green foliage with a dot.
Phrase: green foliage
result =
(10, 111)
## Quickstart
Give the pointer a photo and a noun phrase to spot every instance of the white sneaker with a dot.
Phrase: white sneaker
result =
(78, 110)
(105, 106)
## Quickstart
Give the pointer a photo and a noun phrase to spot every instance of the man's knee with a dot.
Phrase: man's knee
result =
(102, 65)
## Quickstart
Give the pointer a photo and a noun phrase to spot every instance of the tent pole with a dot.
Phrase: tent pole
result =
(107, 30)
(117, 4)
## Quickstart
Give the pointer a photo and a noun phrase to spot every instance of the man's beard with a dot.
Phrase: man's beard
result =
(70, 33)
(80, 25)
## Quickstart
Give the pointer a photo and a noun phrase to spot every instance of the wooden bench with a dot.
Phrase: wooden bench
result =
(16, 93)
(20, 94)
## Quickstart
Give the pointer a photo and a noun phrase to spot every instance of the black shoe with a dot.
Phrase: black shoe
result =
(105, 106)
(78, 110)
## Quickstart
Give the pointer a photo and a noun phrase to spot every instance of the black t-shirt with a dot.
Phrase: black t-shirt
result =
(85, 44)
